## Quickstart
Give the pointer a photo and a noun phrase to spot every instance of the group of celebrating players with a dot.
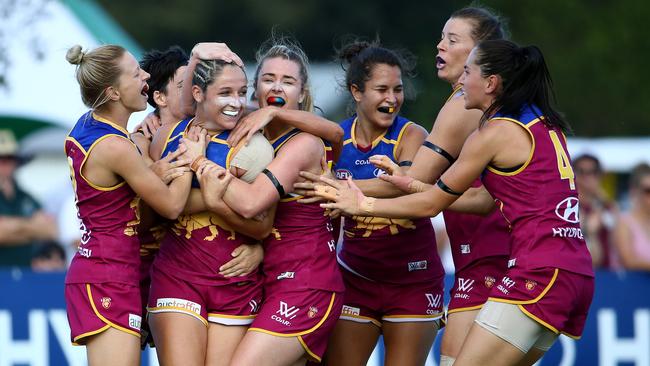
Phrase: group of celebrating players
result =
(218, 243)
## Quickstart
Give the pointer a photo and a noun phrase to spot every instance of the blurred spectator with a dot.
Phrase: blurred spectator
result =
(598, 213)
(22, 221)
(49, 257)
(632, 234)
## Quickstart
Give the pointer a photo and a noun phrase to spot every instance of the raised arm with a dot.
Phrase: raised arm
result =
(203, 51)
(302, 120)
(451, 128)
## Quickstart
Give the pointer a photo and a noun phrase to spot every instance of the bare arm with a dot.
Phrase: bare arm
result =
(474, 201)
(119, 156)
(256, 229)
(16, 230)
(452, 127)
(302, 152)
(484, 146)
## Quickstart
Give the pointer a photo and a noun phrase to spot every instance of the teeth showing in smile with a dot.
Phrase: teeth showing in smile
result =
(231, 113)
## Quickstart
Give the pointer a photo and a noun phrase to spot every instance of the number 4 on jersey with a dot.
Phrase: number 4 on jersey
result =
(563, 161)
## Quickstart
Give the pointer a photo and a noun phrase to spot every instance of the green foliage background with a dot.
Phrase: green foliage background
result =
(595, 49)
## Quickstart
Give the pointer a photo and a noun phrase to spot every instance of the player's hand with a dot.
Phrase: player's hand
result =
(195, 142)
(307, 187)
(214, 181)
(345, 196)
(246, 259)
(171, 166)
(149, 125)
(385, 163)
(215, 51)
(250, 124)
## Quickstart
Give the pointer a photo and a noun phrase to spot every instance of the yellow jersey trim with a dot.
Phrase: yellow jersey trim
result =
(174, 309)
(88, 334)
(454, 91)
(399, 138)
(309, 352)
(353, 135)
(91, 184)
(108, 322)
(371, 320)
(327, 313)
(110, 123)
(469, 308)
(530, 154)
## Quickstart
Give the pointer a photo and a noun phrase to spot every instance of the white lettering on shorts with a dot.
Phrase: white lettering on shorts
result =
(179, 304)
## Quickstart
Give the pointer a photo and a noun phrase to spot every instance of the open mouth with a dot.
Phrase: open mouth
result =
(276, 101)
(145, 89)
(440, 62)
(384, 109)
(230, 113)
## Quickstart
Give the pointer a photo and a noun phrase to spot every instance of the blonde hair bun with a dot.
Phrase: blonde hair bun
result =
(74, 55)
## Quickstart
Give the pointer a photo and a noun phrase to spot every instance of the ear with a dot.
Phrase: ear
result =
(197, 93)
(302, 96)
(357, 94)
(113, 94)
(160, 99)
(492, 84)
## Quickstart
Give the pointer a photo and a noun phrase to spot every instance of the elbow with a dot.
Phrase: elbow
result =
(262, 233)
(338, 135)
(172, 212)
(249, 211)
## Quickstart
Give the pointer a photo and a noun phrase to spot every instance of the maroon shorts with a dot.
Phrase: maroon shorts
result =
(472, 284)
(232, 304)
(307, 314)
(367, 301)
(94, 307)
(557, 299)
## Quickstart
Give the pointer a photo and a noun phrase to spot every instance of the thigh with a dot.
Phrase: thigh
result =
(351, 343)
(408, 343)
(180, 338)
(113, 347)
(456, 330)
(222, 342)
(263, 349)
(483, 348)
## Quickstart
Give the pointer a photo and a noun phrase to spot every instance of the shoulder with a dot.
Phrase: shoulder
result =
(115, 145)
(302, 143)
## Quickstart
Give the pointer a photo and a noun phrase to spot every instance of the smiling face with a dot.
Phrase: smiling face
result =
(279, 77)
(383, 92)
(454, 47)
(131, 88)
(222, 104)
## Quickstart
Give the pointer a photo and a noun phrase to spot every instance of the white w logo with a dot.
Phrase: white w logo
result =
(434, 301)
(465, 285)
(286, 311)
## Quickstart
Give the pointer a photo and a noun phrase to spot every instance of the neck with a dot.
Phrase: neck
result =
(167, 117)
(366, 132)
(118, 115)
(276, 129)
(206, 123)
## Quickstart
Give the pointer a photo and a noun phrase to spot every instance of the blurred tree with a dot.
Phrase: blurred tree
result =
(594, 48)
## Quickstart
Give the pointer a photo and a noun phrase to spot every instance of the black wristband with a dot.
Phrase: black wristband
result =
(275, 182)
(439, 150)
(446, 188)
(405, 163)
